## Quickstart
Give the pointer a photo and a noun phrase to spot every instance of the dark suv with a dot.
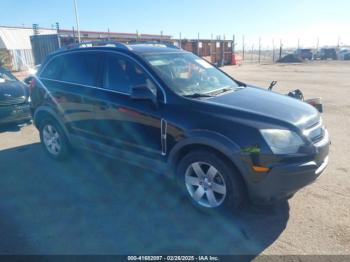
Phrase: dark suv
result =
(304, 53)
(163, 108)
(326, 53)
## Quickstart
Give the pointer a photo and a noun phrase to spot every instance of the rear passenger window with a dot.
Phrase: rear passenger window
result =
(122, 74)
(81, 68)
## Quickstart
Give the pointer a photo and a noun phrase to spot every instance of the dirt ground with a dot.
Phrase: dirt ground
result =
(90, 208)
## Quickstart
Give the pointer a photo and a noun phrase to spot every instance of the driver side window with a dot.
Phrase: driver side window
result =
(122, 74)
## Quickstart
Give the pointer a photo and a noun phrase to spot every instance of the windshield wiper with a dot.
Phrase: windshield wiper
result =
(220, 91)
(197, 95)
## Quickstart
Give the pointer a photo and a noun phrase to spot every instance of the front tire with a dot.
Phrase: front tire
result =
(210, 182)
(53, 139)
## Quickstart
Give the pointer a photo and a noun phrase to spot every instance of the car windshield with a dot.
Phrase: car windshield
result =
(6, 76)
(189, 75)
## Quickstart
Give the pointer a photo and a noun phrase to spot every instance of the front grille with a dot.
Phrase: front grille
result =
(315, 132)
(12, 101)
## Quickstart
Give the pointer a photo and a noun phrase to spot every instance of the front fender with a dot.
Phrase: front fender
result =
(210, 139)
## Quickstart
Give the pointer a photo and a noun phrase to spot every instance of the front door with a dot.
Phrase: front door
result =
(125, 123)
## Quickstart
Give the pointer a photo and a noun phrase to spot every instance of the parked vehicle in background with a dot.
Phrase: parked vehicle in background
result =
(344, 54)
(163, 108)
(326, 53)
(14, 99)
(304, 53)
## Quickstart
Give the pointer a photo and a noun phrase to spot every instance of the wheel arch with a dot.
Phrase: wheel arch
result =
(42, 112)
(207, 140)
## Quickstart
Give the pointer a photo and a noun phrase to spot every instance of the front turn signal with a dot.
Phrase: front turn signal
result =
(260, 168)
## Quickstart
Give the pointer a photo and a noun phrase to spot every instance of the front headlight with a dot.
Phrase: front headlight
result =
(282, 141)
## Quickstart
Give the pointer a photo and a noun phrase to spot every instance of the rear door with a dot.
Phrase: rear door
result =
(69, 79)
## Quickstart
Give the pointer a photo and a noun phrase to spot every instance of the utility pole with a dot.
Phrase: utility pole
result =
(211, 47)
(223, 50)
(259, 49)
(180, 42)
(77, 19)
(298, 43)
(233, 44)
(243, 47)
(35, 29)
(73, 30)
(273, 50)
(280, 48)
(198, 45)
(57, 24)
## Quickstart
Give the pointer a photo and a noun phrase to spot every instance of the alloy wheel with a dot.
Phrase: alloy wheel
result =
(51, 139)
(205, 184)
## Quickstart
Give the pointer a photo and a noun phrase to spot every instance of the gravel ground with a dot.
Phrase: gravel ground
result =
(90, 205)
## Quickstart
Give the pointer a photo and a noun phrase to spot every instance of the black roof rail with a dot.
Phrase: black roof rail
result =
(155, 43)
(101, 43)
(108, 43)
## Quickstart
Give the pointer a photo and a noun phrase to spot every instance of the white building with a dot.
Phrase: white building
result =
(16, 41)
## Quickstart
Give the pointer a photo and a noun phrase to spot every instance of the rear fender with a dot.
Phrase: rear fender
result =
(43, 111)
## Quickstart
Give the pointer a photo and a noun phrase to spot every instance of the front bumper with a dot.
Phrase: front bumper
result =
(15, 113)
(282, 181)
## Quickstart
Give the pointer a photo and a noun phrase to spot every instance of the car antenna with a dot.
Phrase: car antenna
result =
(273, 83)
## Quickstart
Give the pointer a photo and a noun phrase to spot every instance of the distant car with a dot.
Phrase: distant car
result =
(344, 54)
(304, 53)
(326, 53)
(14, 99)
(347, 56)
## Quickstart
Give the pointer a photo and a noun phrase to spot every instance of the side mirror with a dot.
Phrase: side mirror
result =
(142, 92)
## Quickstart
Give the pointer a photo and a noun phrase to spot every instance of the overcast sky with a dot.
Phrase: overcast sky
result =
(288, 20)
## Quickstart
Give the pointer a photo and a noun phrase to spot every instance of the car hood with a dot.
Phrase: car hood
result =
(269, 104)
(13, 91)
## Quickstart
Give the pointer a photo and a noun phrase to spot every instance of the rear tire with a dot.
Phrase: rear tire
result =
(209, 182)
(53, 139)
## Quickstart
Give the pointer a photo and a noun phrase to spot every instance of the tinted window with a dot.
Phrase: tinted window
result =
(81, 68)
(122, 74)
(53, 69)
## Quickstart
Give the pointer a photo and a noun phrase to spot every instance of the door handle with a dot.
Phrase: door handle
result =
(163, 135)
